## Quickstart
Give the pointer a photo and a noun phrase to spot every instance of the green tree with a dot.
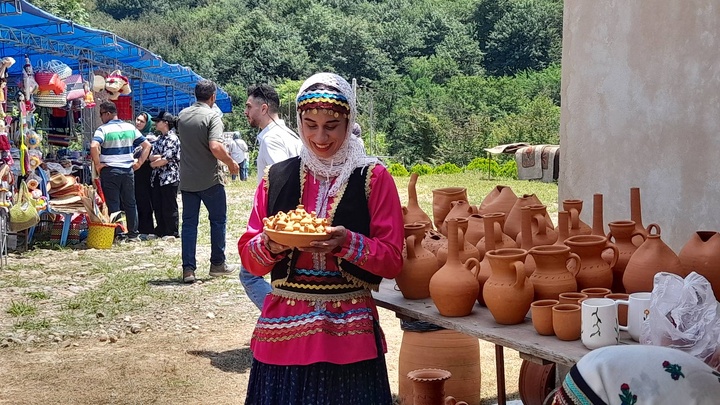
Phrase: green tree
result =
(74, 10)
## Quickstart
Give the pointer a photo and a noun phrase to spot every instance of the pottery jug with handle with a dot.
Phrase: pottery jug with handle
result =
(701, 254)
(418, 267)
(412, 212)
(442, 199)
(552, 275)
(594, 271)
(508, 293)
(652, 257)
(622, 234)
(577, 226)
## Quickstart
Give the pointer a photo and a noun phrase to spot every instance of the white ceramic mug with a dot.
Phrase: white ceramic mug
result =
(638, 311)
(600, 323)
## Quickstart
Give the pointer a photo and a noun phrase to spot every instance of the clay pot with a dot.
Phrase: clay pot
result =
(571, 297)
(475, 229)
(508, 293)
(651, 257)
(412, 212)
(459, 209)
(567, 321)
(429, 387)
(418, 267)
(636, 215)
(536, 381)
(594, 271)
(466, 249)
(442, 199)
(598, 227)
(552, 276)
(596, 292)
(444, 349)
(493, 230)
(563, 227)
(513, 221)
(542, 234)
(621, 234)
(701, 254)
(500, 199)
(541, 313)
(434, 240)
(454, 288)
(577, 227)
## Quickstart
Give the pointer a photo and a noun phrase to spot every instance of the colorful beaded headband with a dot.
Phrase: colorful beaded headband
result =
(327, 101)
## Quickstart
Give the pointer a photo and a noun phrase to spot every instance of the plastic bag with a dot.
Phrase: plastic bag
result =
(684, 315)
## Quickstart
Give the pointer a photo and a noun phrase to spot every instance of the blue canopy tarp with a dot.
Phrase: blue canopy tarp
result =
(156, 84)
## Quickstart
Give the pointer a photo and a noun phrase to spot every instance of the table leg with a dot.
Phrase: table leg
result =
(500, 371)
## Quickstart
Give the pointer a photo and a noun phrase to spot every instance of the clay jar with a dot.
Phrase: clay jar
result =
(563, 227)
(542, 234)
(412, 212)
(418, 267)
(500, 199)
(598, 227)
(513, 221)
(701, 254)
(465, 251)
(493, 224)
(429, 387)
(551, 276)
(636, 215)
(577, 227)
(459, 209)
(442, 198)
(508, 293)
(651, 257)
(453, 288)
(594, 271)
(434, 240)
(622, 234)
(475, 229)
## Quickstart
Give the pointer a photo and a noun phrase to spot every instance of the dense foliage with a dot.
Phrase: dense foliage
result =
(438, 80)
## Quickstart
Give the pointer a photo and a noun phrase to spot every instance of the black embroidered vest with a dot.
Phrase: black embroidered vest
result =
(351, 212)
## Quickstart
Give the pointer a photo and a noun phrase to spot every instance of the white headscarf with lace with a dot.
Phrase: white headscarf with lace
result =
(351, 153)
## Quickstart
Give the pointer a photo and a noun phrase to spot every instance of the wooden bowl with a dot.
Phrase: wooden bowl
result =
(295, 239)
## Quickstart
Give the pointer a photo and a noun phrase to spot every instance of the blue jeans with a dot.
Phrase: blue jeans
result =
(256, 287)
(118, 186)
(216, 204)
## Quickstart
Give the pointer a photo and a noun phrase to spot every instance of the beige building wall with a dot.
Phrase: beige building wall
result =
(641, 108)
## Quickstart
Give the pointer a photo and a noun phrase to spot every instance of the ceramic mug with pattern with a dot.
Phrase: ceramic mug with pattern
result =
(638, 311)
(600, 325)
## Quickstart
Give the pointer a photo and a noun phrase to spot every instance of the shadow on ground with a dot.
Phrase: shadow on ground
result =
(231, 361)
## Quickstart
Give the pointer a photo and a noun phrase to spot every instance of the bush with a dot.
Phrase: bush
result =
(421, 169)
(398, 170)
(481, 165)
(447, 168)
(509, 170)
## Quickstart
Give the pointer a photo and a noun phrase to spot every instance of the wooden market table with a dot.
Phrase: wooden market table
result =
(480, 324)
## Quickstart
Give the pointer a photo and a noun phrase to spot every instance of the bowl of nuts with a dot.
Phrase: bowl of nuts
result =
(296, 228)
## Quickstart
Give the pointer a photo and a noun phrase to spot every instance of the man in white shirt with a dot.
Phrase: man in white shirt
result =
(238, 151)
(277, 143)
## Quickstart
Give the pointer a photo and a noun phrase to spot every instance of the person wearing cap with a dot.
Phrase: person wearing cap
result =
(200, 130)
(238, 150)
(165, 161)
(146, 224)
(111, 150)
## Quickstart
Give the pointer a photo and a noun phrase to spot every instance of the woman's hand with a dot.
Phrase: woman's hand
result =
(332, 245)
(273, 247)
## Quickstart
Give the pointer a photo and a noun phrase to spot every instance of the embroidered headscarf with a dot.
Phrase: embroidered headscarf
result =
(337, 99)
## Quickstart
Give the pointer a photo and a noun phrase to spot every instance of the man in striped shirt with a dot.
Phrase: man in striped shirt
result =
(112, 153)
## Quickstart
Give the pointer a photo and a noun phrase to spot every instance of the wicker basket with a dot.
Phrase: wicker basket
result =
(101, 236)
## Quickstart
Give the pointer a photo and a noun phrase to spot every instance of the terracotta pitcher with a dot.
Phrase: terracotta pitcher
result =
(508, 293)
(500, 199)
(542, 233)
(636, 215)
(598, 227)
(459, 209)
(577, 227)
(563, 227)
(453, 288)
(651, 257)
(442, 198)
(412, 212)
(621, 234)
(594, 271)
(475, 229)
(418, 267)
(513, 221)
(434, 240)
(493, 224)
(429, 387)
(701, 254)
(465, 249)
(552, 275)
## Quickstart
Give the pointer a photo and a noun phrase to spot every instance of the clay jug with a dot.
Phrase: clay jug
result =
(500, 199)
(419, 266)
(542, 233)
(493, 224)
(598, 227)
(429, 387)
(459, 209)
(577, 227)
(475, 229)
(508, 293)
(513, 221)
(412, 212)
(433, 241)
(701, 254)
(526, 239)
(552, 275)
(651, 257)
(594, 271)
(445, 349)
(636, 215)
(442, 197)
(465, 249)
(453, 288)
(621, 234)
(563, 227)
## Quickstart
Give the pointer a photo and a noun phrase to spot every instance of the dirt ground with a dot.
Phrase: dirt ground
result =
(190, 350)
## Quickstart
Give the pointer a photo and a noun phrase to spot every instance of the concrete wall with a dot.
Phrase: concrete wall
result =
(641, 108)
